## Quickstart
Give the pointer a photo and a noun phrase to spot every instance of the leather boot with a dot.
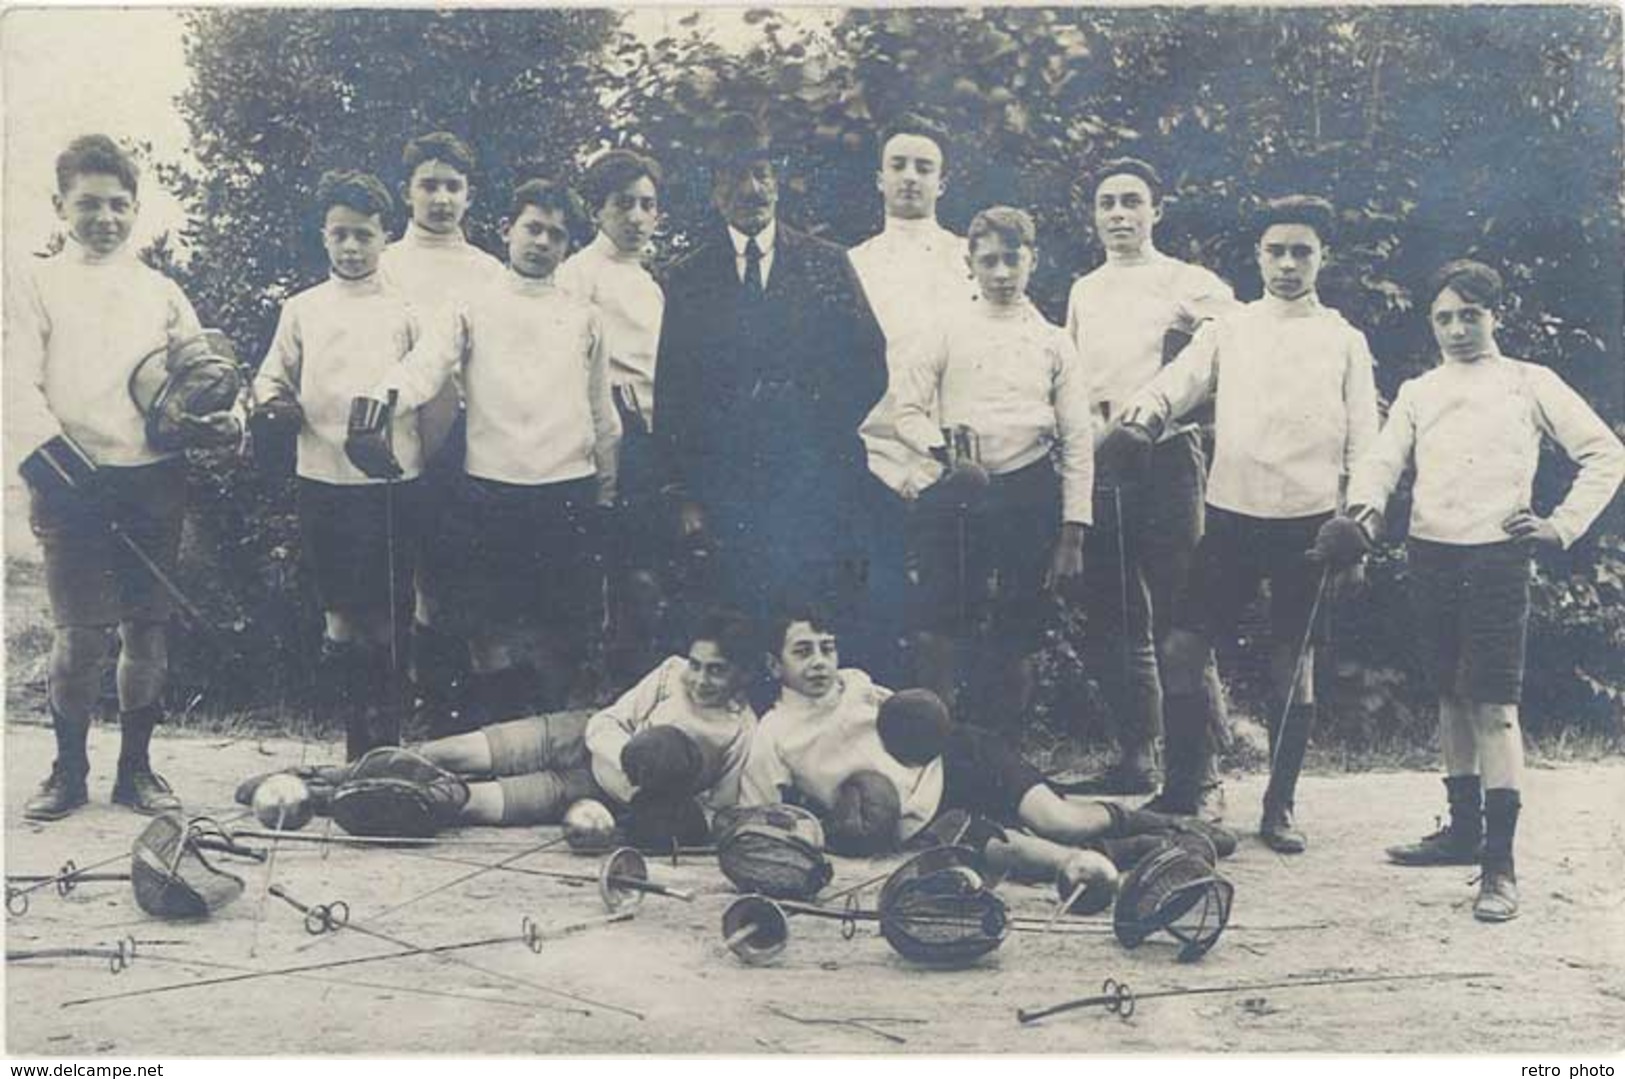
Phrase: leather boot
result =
(1498, 882)
(1461, 842)
(1288, 744)
(137, 785)
(1190, 785)
(64, 790)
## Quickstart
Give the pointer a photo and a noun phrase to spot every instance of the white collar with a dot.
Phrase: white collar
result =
(608, 250)
(528, 284)
(418, 236)
(1016, 312)
(1149, 255)
(370, 285)
(913, 227)
(77, 252)
(1302, 307)
(764, 239)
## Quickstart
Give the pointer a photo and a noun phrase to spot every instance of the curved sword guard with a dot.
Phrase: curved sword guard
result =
(849, 917)
(123, 956)
(1118, 998)
(530, 934)
(327, 917)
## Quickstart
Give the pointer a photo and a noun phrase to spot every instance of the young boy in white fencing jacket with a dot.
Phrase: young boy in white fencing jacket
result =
(1471, 431)
(833, 729)
(77, 326)
(435, 265)
(914, 275)
(1295, 406)
(333, 342)
(1128, 318)
(622, 191)
(1002, 370)
(541, 457)
(540, 765)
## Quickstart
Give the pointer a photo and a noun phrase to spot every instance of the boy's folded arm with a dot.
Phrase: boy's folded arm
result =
(1178, 388)
(438, 349)
(1570, 422)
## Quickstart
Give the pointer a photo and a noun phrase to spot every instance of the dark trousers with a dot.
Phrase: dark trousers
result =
(1136, 563)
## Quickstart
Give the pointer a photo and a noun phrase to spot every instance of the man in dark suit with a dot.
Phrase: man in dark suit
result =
(769, 360)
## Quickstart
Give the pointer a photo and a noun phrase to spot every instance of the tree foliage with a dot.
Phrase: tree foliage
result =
(1439, 132)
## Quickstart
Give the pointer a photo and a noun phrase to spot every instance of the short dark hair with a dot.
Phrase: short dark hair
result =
(732, 632)
(1009, 224)
(912, 123)
(359, 191)
(812, 614)
(1471, 279)
(550, 195)
(616, 170)
(1310, 210)
(95, 155)
(440, 146)
(1127, 166)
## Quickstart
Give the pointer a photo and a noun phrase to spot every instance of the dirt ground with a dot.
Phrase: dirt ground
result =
(1555, 977)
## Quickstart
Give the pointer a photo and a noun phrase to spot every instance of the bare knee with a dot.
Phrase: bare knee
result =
(1495, 720)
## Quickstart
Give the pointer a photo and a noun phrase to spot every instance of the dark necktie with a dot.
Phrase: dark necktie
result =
(753, 268)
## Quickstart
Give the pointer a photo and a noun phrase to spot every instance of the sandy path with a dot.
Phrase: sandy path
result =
(1558, 972)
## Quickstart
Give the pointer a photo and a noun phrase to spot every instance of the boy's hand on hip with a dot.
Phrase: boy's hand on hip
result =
(1066, 563)
(1535, 531)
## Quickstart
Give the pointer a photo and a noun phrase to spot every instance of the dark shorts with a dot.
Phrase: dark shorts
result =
(1236, 556)
(1007, 541)
(93, 579)
(982, 774)
(346, 532)
(1472, 617)
(528, 552)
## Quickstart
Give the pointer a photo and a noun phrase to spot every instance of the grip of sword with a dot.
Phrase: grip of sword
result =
(276, 890)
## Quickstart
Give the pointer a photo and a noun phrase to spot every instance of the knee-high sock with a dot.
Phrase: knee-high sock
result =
(1287, 747)
(135, 735)
(1501, 808)
(1188, 755)
(71, 732)
(1466, 794)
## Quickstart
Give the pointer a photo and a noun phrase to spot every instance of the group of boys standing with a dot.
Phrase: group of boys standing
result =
(893, 434)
